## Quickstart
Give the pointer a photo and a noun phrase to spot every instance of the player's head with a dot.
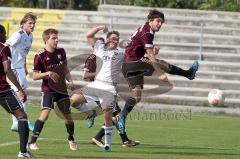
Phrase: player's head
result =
(155, 19)
(28, 22)
(112, 39)
(2, 34)
(50, 37)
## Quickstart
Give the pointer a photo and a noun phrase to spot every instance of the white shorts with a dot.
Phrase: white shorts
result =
(21, 77)
(99, 91)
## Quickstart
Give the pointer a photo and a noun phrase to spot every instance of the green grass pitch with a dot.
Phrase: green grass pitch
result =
(198, 137)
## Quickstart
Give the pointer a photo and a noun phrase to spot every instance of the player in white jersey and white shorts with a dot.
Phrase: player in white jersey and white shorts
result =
(108, 74)
(20, 43)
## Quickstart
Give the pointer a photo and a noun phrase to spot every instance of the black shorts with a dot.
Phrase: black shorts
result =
(135, 71)
(62, 100)
(10, 101)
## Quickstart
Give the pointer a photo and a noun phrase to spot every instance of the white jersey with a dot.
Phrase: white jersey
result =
(20, 43)
(111, 62)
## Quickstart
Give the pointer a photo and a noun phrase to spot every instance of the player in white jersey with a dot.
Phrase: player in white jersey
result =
(20, 43)
(109, 60)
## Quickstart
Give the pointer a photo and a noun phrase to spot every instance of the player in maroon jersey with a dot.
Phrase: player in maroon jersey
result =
(140, 59)
(50, 66)
(8, 98)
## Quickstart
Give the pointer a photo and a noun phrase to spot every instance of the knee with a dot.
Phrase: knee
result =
(44, 116)
(22, 116)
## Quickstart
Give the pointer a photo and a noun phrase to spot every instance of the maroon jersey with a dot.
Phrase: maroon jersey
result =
(90, 64)
(140, 41)
(46, 61)
(4, 55)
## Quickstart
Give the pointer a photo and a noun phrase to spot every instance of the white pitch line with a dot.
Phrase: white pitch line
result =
(13, 143)
(9, 143)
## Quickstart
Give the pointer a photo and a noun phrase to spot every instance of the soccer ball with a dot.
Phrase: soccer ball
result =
(216, 97)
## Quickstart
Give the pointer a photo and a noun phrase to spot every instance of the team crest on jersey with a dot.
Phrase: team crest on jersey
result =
(47, 59)
(59, 56)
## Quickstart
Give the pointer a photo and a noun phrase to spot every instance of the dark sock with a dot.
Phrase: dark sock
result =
(70, 130)
(130, 103)
(100, 134)
(37, 130)
(23, 134)
(124, 137)
(174, 70)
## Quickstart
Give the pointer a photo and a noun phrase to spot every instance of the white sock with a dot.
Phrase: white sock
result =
(108, 135)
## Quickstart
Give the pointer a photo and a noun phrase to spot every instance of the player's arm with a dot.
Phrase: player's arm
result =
(11, 76)
(91, 33)
(15, 38)
(151, 55)
(86, 74)
(38, 74)
(69, 78)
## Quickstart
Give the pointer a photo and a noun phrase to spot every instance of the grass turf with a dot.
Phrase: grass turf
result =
(198, 137)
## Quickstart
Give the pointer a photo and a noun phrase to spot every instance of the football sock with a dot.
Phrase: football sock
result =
(37, 130)
(70, 130)
(108, 135)
(100, 134)
(130, 103)
(124, 137)
(23, 134)
(174, 70)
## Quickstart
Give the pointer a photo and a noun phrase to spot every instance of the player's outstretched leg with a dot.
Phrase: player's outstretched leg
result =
(190, 73)
(193, 70)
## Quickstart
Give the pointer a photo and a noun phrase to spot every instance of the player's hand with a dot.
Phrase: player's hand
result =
(54, 76)
(104, 28)
(22, 95)
(70, 86)
(163, 77)
(156, 50)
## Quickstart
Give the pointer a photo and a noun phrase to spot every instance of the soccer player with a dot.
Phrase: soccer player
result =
(89, 73)
(139, 54)
(104, 85)
(50, 66)
(8, 99)
(20, 43)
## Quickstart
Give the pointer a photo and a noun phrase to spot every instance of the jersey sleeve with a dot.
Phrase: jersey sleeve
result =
(38, 64)
(14, 39)
(5, 54)
(147, 40)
